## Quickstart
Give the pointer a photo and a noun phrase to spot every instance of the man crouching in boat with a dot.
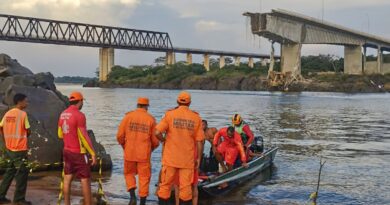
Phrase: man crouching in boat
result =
(230, 147)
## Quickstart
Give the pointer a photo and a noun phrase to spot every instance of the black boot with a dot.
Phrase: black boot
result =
(142, 201)
(189, 202)
(163, 201)
(133, 198)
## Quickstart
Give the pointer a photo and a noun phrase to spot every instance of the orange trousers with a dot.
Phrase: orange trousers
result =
(168, 175)
(143, 170)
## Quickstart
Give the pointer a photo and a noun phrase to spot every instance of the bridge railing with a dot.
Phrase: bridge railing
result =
(26, 29)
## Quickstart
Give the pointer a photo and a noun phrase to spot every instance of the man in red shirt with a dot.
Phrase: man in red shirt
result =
(73, 130)
(229, 148)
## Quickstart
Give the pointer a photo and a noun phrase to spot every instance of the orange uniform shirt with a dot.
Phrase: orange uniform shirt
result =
(234, 142)
(183, 127)
(136, 134)
(15, 125)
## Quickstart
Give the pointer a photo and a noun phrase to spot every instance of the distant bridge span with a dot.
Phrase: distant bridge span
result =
(107, 38)
(292, 30)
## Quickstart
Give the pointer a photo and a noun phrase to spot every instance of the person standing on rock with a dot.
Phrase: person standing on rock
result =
(184, 134)
(14, 131)
(73, 130)
(136, 135)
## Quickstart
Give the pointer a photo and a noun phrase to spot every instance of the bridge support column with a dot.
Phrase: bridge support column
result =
(206, 62)
(250, 62)
(189, 58)
(237, 61)
(291, 58)
(353, 60)
(221, 61)
(263, 62)
(106, 62)
(170, 58)
(380, 60)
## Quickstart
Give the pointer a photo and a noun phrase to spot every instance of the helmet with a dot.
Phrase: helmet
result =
(236, 120)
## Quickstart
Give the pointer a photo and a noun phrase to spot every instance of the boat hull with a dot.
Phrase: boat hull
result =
(232, 179)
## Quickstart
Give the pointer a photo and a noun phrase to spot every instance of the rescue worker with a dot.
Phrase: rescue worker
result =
(72, 129)
(183, 128)
(228, 150)
(136, 134)
(195, 193)
(242, 128)
(209, 132)
(14, 131)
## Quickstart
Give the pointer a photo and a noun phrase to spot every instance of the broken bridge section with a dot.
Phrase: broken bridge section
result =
(292, 30)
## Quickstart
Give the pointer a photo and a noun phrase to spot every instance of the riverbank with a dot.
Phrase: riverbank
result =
(242, 78)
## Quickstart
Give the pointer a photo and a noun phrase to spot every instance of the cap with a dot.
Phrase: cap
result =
(184, 97)
(74, 96)
(143, 101)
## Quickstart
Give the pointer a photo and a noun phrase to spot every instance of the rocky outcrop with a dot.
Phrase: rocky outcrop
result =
(10, 67)
(45, 105)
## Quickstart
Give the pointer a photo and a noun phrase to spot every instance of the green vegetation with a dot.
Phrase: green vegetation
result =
(322, 63)
(178, 72)
(72, 79)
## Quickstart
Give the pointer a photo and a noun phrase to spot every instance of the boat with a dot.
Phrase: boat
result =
(217, 185)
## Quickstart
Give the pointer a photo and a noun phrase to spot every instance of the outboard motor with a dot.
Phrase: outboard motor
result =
(258, 145)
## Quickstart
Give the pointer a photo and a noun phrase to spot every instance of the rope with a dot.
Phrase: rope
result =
(60, 195)
(101, 197)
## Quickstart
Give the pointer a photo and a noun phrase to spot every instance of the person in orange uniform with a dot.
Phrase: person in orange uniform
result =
(136, 134)
(244, 130)
(183, 128)
(229, 149)
(72, 129)
(195, 181)
(14, 131)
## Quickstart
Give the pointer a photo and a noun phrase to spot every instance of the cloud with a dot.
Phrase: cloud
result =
(88, 11)
(204, 25)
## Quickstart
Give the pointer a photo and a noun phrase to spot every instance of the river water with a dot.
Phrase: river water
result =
(350, 132)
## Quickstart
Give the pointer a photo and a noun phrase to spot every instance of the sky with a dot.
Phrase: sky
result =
(204, 24)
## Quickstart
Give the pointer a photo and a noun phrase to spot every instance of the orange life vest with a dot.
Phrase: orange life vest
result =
(15, 130)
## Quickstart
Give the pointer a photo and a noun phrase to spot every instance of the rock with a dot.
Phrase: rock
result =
(91, 83)
(45, 80)
(101, 152)
(386, 86)
(199, 82)
(10, 67)
(23, 80)
(230, 83)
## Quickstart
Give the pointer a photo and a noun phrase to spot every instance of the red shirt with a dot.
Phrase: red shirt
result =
(72, 129)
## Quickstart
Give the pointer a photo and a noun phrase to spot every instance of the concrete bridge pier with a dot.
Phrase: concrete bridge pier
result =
(170, 58)
(189, 58)
(221, 61)
(263, 62)
(237, 61)
(380, 60)
(106, 62)
(250, 62)
(291, 58)
(353, 62)
(206, 62)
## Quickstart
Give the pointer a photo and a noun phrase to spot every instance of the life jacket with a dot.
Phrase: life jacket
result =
(14, 128)
(240, 130)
